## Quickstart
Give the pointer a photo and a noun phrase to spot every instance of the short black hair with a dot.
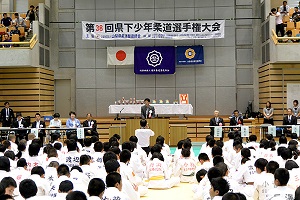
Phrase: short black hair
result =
(115, 149)
(71, 145)
(72, 112)
(213, 172)
(57, 146)
(10, 154)
(261, 163)
(125, 156)
(2, 148)
(143, 123)
(234, 196)
(98, 146)
(21, 162)
(128, 146)
(231, 135)
(216, 151)
(208, 137)
(203, 156)
(96, 187)
(283, 140)
(112, 179)
(217, 159)
(87, 142)
(272, 166)
(63, 170)
(117, 136)
(290, 164)
(201, 172)
(157, 155)
(56, 115)
(37, 114)
(236, 111)
(76, 195)
(246, 153)
(6, 102)
(77, 168)
(111, 166)
(65, 186)
(220, 184)
(34, 149)
(160, 140)
(156, 148)
(220, 143)
(28, 188)
(133, 138)
(4, 164)
(222, 167)
(286, 154)
(147, 99)
(109, 156)
(186, 152)
(211, 143)
(38, 170)
(8, 181)
(84, 159)
(252, 138)
(106, 146)
(294, 136)
(282, 175)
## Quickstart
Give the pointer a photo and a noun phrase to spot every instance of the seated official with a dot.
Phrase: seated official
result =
(39, 124)
(20, 123)
(216, 121)
(236, 120)
(72, 122)
(143, 134)
(91, 123)
(6, 21)
(7, 115)
(55, 123)
(290, 119)
(147, 111)
(268, 112)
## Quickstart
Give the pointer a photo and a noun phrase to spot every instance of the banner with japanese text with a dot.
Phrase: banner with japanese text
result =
(141, 30)
(154, 60)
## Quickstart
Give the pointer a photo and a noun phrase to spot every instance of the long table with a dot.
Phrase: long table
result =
(160, 109)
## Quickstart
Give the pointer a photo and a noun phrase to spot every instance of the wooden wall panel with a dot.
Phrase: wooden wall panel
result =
(28, 89)
(273, 79)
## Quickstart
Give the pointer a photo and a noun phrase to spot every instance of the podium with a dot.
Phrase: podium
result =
(159, 126)
(177, 132)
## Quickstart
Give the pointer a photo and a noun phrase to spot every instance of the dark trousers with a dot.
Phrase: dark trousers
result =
(280, 29)
(268, 121)
(146, 149)
(6, 123)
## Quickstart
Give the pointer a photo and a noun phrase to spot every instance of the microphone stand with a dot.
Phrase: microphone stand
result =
(120, 122)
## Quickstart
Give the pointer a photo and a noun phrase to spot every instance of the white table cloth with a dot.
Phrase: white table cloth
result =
(160, 109)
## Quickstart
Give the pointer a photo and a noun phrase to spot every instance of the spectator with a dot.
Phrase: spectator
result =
(296, 15)
(6, 21)
(30, 15)
(284, 9)
(6, 39)
(18, 21)
(279, 22)
(288, 34)
(37, 12)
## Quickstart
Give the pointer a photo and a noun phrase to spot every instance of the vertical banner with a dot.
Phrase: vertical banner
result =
(154, 60)
(272, 130)
(80, 133)
(189, 55)
(218, 131)
(295, 129)
(245, 131)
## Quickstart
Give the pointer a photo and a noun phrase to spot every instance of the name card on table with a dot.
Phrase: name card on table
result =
(184, 98)
(80, 133)
(245, 131)
(218, 132)
(35, 131)
(295, 129)
(272, 130)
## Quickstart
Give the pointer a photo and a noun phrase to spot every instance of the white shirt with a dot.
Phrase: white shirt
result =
(262, 184)
(54, 123)
(143, 136)
(281, 193)
(114, 193)
(278, 19)
(42, 185)
(72, 158)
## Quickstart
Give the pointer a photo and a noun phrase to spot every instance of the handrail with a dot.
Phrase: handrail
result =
(275, 38)
(30, 44)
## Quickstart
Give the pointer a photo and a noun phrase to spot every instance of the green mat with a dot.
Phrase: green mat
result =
(196, 149)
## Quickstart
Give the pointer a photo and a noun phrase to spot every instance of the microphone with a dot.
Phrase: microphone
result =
(121, 110)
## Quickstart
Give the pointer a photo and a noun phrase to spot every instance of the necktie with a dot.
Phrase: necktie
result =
(289, 119)
(147, 112)
(7, 112)
(236, 119)
(89, 123)
(217, 120)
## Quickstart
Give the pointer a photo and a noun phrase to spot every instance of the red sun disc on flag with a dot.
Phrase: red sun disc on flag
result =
(121, 55)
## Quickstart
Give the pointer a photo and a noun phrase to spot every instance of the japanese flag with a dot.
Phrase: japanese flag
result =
(120, 55)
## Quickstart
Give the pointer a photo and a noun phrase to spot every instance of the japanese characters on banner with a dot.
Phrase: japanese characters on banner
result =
(141, 30)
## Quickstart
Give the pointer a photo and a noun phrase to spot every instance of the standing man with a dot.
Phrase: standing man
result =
(290, 119)
(39, 124)
(7, 115)
(143, 134)
(89, 122)
(216, 121)
(147, 111)
(236, 120)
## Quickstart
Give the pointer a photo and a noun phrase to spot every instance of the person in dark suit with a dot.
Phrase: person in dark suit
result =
(7, 115)
(39, 124)
(236, 120)
(216, 121)
(147, 111)
(20, 123)
(90, 122)
(290, 119)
